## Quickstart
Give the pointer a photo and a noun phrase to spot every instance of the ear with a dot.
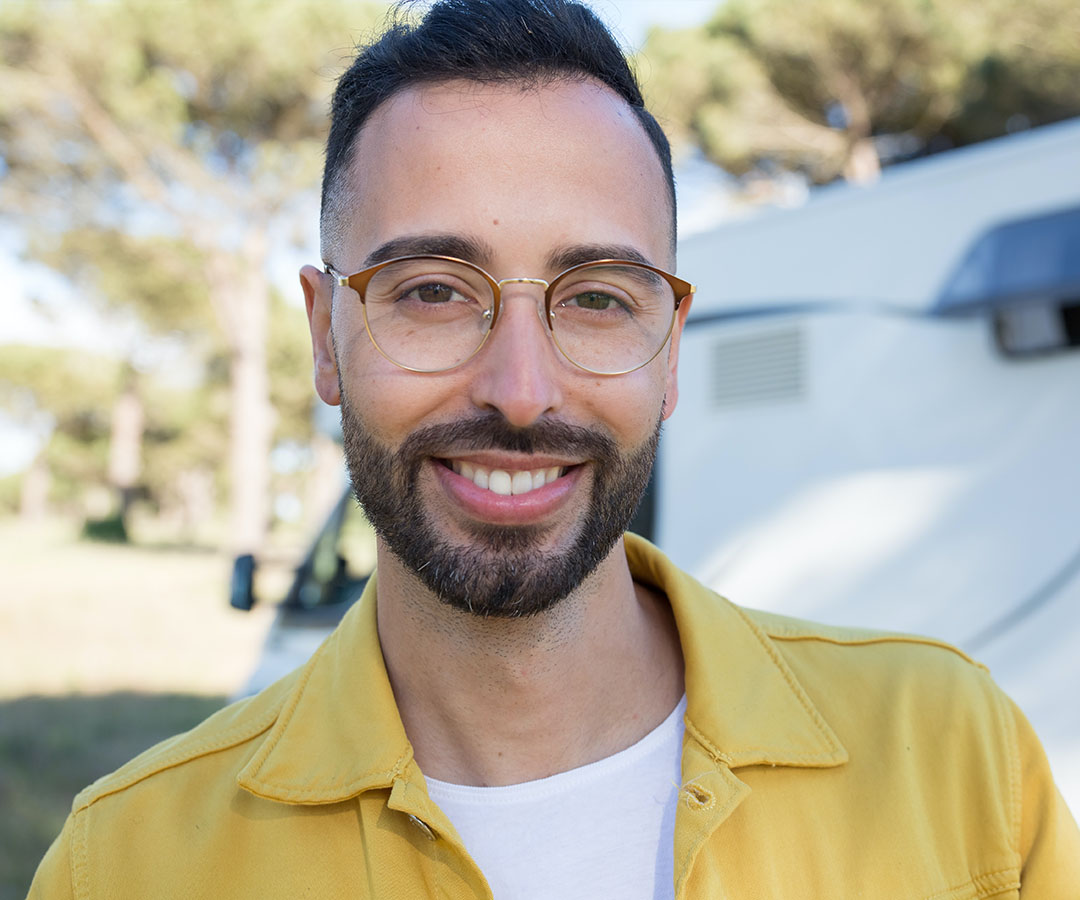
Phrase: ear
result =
(671, 396)
(318, 295)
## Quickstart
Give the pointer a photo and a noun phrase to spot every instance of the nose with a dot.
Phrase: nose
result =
(519, 368)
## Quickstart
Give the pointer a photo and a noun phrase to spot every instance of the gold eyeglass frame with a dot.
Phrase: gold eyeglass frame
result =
(359, 281)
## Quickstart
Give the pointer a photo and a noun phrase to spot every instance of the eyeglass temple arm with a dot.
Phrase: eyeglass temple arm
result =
(342, 280)
(690, 291)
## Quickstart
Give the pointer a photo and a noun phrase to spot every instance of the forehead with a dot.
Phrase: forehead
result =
(519, 168)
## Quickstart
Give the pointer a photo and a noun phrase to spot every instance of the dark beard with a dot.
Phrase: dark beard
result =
(502, 573)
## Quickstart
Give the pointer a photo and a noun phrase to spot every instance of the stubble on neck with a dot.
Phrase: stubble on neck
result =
(500, 701)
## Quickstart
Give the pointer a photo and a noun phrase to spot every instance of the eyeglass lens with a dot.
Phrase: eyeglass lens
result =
(431, 315)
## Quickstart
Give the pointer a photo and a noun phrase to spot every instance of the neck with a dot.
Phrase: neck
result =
(501, 701)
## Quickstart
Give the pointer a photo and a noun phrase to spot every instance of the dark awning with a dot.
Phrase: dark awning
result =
(1023, 261)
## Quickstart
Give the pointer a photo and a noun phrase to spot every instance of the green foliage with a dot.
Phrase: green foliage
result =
(108, 529)
(67, 383)
(211, 89)
(1029, 68)
(10, 488)
(154, 154)
(185, 428)
(157, 278)
(186, 432)
(801, 83)
(75, 388)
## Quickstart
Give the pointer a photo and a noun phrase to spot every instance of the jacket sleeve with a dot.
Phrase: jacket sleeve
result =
(53, 879)
(1049, 838)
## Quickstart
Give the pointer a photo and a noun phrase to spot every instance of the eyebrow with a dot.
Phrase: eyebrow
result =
(463, 247)
(575, 254)
(480, 253)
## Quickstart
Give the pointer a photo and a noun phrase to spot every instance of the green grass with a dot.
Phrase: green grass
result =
(80, 617)
(52, 747)
(105, 649)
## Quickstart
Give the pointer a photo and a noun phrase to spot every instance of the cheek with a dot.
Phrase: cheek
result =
(390, 401)
(629, 405)
(393, 403)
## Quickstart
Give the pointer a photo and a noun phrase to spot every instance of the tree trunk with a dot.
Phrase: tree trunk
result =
(861, 163)
(34, 490)
(863, 166)
(125, 444)
(246, 294)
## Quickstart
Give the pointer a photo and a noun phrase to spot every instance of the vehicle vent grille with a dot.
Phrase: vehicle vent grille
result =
(762, 368)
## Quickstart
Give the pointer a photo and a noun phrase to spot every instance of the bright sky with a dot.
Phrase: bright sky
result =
(630, 19)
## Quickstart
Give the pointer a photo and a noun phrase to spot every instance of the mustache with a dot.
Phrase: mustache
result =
(492, 432)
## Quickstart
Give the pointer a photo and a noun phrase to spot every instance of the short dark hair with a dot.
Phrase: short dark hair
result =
(487, 41)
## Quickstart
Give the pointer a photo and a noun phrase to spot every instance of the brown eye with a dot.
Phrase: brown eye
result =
(434, 293)
(593, 301)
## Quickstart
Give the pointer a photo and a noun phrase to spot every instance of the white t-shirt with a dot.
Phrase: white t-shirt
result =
(603, 830)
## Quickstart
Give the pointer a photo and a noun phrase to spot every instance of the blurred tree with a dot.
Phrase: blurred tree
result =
(184, 440)
(145, 282)
(1028, 73)
(74, 391)
(125, 444)
(80, 395)
(177, 406)
(289, 355)
(807, 85)
(194, 130)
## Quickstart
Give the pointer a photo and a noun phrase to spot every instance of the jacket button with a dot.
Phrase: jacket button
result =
(423, 826)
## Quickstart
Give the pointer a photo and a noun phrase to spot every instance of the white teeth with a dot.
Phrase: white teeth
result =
(500, 481)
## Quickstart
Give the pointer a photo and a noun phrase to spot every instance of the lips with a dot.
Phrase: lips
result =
(511, 496)
(505, 482)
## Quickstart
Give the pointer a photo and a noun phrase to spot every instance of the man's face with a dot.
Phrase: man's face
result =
(522, 182)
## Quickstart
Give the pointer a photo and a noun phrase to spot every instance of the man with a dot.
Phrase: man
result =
(528, 704)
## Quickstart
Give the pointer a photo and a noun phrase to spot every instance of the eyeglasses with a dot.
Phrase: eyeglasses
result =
(434, 313)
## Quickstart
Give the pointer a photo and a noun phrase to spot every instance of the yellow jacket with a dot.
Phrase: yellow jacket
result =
(818, 763)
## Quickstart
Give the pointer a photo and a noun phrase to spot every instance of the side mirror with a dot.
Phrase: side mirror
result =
(242, 587)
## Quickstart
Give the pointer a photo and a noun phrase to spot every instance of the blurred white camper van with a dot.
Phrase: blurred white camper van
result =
(879, 414)
(878, 421)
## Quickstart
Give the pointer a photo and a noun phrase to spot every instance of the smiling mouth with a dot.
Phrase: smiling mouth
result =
(505, 482)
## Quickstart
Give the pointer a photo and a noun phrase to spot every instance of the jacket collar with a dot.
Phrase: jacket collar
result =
(743, 702)
(339, 732)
